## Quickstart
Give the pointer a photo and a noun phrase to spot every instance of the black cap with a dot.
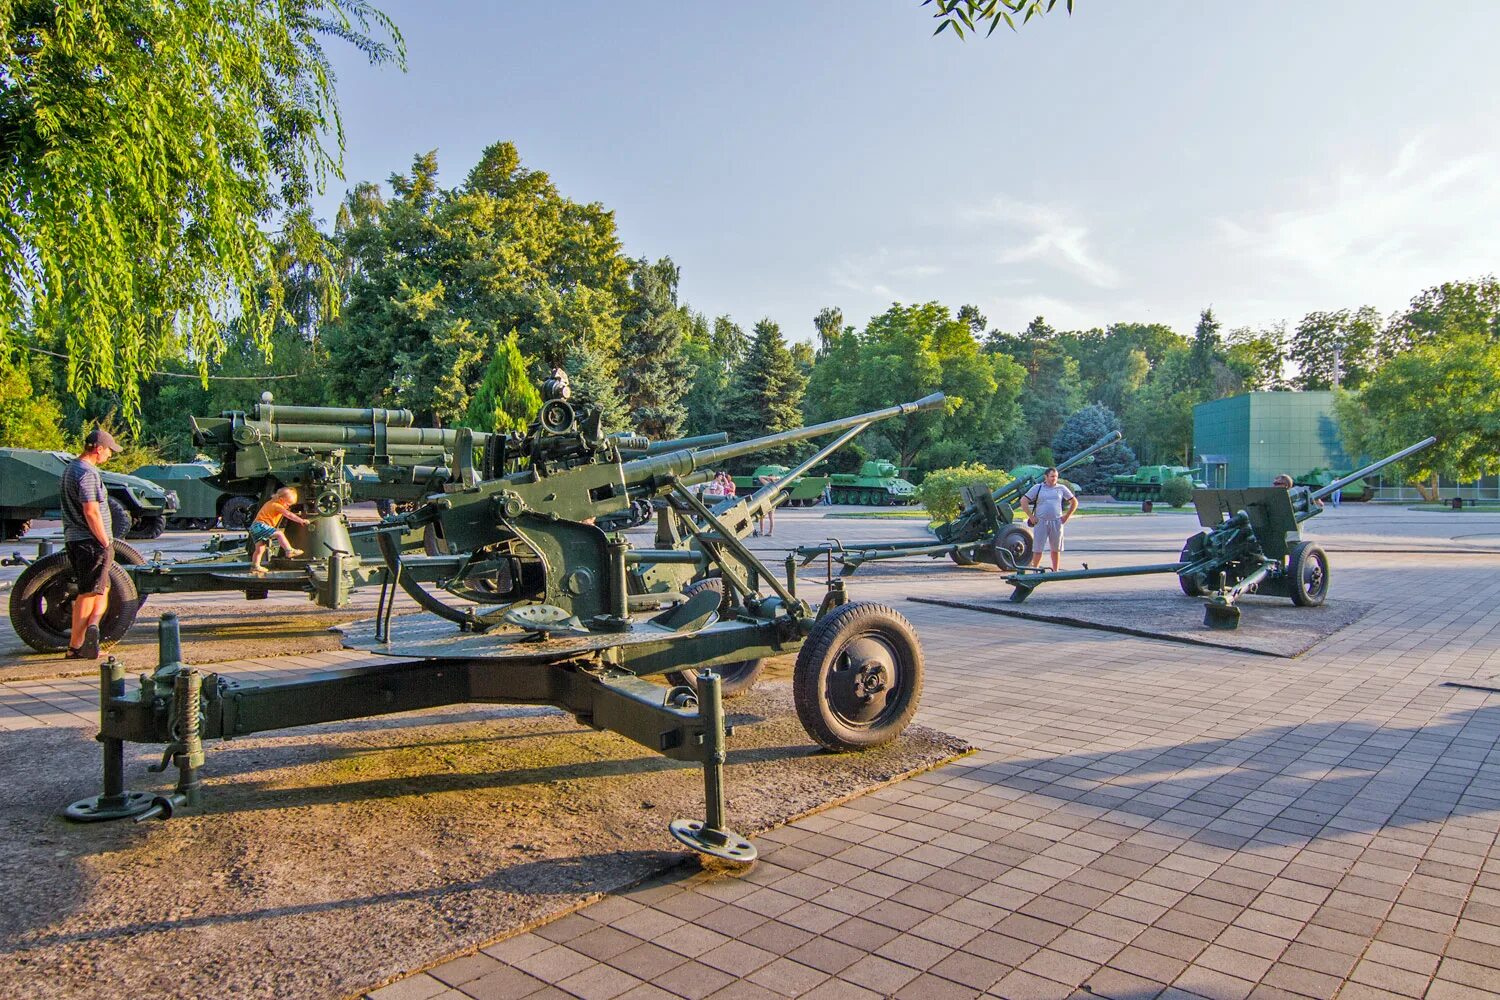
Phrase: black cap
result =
(99, 438)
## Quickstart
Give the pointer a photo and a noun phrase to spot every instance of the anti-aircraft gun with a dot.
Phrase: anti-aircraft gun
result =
(1251, 544)
(549, 618)
(984, 530)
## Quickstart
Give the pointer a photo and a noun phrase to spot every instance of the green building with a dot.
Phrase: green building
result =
(1247, 440)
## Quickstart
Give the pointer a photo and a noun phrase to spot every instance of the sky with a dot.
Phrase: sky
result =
(1134, 162)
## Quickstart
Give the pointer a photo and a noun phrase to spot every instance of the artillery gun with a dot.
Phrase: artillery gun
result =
(1251, 544)
(984, 530)
(549, 619)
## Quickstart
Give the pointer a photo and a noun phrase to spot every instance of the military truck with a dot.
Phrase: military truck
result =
(1356, 492)
(807, 491)
(878, 483)
(199, 501)
(1146, 482)
(29, 490)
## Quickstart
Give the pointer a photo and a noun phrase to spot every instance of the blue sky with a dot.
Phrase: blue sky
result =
(1137, 161)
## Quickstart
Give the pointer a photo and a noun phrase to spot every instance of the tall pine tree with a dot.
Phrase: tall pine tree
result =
(656, 372)
(765, 392)
(593, 381)
(505, 400)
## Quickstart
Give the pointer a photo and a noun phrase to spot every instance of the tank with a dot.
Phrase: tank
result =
(198, 500)
(1146, 482)
(807, 491)
(29, 489)
(1356, 492)
(878, 483)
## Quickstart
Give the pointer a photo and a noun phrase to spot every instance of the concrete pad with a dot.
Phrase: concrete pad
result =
(1268, 626)
(328, 859)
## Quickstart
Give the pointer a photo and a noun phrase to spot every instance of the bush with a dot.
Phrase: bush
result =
(941, 494)
(1177, 491)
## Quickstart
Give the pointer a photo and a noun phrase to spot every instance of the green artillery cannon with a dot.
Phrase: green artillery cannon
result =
(984, 530)
(639, 446)
(1251, 543)
(549, 619)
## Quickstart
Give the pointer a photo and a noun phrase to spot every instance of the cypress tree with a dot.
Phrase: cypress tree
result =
(506, 399)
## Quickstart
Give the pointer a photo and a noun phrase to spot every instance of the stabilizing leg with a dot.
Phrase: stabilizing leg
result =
(710, 836)
(116, 802)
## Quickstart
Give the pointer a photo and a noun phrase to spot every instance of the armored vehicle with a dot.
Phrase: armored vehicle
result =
(1357, 491)
(29, 489)
(878, 483)
(199, 501)
(806, 491)
(1146, 482)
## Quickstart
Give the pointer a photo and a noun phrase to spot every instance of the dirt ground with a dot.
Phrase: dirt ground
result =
(328, 860)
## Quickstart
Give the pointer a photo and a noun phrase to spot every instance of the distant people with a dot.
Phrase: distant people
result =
(88, 537)
(828, 493)
(267, 526)
(1048, 506)
(1286, 482)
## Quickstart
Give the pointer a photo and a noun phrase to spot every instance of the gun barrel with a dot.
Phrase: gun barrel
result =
(330, 436)
(634, 449)
(1373, 467)
(272, 413)
(1088, 452)
(713, 456)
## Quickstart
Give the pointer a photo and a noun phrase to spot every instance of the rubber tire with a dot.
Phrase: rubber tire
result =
(1018, 540)
(26, 597)
(147, 526)
(1195, 585)
(1298, 559)
(237, 513)
(13, 528)
(120, 521)
(960, 559)
(735, 678)
(819, 657)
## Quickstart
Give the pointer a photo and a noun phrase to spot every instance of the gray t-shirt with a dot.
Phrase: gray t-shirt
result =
(1048, 501)
(81, 483)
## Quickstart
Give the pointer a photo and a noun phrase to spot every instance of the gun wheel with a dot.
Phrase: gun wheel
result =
(858, 677)
(961, 558)
(1015, 541)
(1192, 584)
(41, 604)
(12, 528)
(1307, 571)
(237, 512)
(735, 678)
(147, 526)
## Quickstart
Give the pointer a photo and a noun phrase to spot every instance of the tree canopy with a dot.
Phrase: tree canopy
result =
(144, 151)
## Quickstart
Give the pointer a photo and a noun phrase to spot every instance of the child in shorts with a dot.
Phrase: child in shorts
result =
(267, 525)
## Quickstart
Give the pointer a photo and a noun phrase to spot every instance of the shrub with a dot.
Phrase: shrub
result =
(941, 494)
(1177, 491)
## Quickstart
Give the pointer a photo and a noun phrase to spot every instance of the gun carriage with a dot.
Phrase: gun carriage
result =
(1251, 544)
(984, 530)
(538, 605)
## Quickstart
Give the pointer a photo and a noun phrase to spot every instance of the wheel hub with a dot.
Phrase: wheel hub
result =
(861, 685)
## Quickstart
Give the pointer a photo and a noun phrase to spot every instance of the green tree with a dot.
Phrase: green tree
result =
(142, 148)
(1443, 387)
(1450, 308)
(654, 376)
(829, 324)
(765, 393)
(1081, 430)
(1258, 357)
(506, 399)
(1158, 419)
(971, 15)
(29, 416)
(1344, 347)
(1052, 390)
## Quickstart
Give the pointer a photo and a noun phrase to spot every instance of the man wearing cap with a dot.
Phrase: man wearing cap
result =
(88, 537)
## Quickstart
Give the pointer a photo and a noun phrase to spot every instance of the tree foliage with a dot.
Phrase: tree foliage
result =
(765, 392)
(142, 148)
(29, 416)
(1454, 307)
(971, 15)
(941, 491)
(507, 398)
(1344, 347)
(655, 373)
(1081, 430)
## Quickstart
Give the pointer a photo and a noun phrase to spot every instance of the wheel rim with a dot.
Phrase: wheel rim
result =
(54, 605)
(1314, 577)
(864, 686)
(1015, 543)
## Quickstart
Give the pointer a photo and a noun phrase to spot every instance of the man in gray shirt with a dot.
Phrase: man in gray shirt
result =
(88, 538)
(1048, 505)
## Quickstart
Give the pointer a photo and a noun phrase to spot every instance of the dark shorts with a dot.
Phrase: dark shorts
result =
(91, 565)
(260, 531)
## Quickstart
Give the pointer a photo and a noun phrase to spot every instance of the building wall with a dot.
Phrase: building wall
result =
(1261, 434)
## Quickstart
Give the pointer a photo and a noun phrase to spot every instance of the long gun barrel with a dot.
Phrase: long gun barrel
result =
(272, 413)
(1013, 489)
(680, 463)
(1373, 467)
(634, 446)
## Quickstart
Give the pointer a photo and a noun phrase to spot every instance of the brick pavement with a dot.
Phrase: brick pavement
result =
(1142, 819)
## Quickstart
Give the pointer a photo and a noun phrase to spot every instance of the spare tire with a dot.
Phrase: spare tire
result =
(41, 604)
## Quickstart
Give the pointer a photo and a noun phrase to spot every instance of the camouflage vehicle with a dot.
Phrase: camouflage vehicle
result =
(1146, 482)
(199, 501)
(1357, 491)
(29, 489)
(807, 491)
(878, 483)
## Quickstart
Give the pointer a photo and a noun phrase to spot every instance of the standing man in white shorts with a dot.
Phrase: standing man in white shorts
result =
(1047, 506)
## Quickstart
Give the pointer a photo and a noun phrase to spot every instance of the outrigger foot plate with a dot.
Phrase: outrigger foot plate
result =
(724, 844)
(1221, 616)
(106, 807)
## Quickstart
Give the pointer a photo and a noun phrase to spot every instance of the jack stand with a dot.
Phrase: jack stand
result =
(116, 802)
(186, 754)
(710, 836)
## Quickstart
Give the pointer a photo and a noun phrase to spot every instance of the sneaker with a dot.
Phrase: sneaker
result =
(89, 650)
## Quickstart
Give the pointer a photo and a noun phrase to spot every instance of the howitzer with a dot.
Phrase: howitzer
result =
(984, 530)
(560, 630)
(1251, 543)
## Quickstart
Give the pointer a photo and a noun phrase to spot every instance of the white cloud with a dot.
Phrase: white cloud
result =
(878, 273)
(1045, 234)
(1423, 217)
